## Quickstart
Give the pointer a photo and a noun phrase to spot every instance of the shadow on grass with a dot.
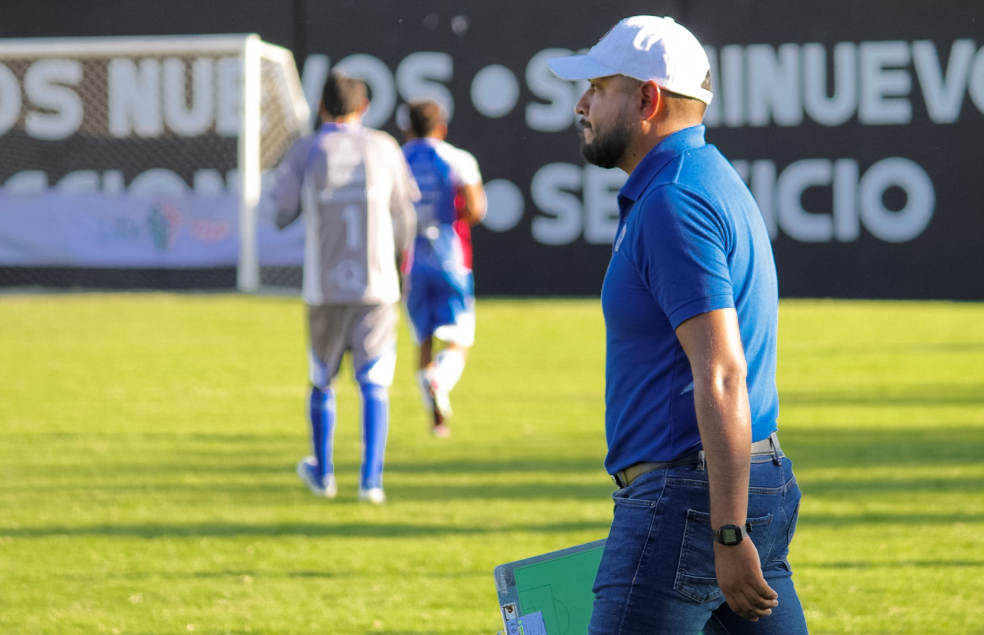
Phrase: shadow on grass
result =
(256, 574)
(414, 530)
(289, 490)
(309, 530)
(239, 478)
(244, 483)
(902, 564)
(530, 491)
(545, 465)
(253, 455)
(853, 489)
(860, 350)
(928, 394)
(811, 519)
(879, 447)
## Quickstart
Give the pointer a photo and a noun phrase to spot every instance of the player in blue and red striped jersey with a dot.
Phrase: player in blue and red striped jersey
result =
(439, 286)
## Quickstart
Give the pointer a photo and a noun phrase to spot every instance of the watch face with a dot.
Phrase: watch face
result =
(729, 536)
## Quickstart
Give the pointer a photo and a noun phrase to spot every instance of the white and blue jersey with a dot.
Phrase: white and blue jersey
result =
(440, 295)
(690, 240)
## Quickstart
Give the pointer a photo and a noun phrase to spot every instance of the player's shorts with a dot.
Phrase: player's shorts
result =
(367, 330)
(441, 305)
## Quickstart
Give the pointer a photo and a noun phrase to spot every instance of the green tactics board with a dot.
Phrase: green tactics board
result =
(556, 584)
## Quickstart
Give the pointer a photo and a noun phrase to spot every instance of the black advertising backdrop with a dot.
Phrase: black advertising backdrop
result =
(946, 260)
(858, 126)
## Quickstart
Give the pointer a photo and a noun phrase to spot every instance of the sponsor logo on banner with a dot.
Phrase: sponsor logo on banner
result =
(209, 231)
(164, 223)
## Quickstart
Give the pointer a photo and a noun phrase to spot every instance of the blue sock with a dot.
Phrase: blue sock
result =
(375, 426)
(321, 410)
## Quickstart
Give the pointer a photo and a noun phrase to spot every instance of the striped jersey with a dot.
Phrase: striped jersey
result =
(441, 170)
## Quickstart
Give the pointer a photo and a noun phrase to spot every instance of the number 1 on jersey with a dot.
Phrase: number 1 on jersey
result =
(352, 215)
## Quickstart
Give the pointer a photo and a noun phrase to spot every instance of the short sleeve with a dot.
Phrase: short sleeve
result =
(464, 168)
(286, 192)
(683, 253)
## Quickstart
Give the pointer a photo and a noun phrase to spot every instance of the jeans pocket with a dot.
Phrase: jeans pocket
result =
(792, 525)
(627, 543)
(696, 578)
(784, 533)
(780, 550)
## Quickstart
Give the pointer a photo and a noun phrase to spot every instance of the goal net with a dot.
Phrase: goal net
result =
(139, 162)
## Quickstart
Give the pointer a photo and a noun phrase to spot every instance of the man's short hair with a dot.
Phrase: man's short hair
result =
(706, 85)
(689, 106)
(425, 116)
(343, 95)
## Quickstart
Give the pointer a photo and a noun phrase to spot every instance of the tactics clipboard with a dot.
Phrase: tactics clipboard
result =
(557, 584)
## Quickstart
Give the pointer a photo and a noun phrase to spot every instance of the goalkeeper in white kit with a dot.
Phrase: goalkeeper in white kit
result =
(356, 194)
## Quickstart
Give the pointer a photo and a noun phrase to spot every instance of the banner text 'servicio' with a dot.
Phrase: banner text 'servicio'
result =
(860, 139)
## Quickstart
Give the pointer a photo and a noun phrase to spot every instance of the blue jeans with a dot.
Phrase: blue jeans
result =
(657, 572)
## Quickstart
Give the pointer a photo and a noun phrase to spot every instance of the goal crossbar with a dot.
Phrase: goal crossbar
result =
(269, 80)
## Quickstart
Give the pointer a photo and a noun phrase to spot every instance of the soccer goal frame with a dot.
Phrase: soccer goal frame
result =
(254, 51)
(266, 69)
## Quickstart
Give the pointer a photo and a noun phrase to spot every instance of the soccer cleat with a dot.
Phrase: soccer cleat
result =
(441, 430)
(374, 495)
(437, 402)
(326, 488)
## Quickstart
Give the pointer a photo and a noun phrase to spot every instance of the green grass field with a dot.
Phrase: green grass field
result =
(148, 444)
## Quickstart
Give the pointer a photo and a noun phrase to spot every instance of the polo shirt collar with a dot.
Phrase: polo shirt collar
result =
(657, 158)
(331, 126)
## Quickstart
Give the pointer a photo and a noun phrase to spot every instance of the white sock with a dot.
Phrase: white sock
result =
(448, 366)
(423, 383)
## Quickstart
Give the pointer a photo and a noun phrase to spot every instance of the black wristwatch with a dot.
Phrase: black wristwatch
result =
(730, 535)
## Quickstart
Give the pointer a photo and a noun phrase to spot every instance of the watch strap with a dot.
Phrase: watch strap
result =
(731, 534)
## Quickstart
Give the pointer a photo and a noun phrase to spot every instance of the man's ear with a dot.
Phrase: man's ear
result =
(363, 107)
(651, 101)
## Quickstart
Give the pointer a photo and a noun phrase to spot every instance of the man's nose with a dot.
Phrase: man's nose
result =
(581, 107)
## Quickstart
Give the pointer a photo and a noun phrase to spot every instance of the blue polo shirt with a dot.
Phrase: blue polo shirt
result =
(690, 240)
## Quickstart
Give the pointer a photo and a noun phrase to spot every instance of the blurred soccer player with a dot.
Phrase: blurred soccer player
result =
(440, 296)
(354, 188)
(707, 501)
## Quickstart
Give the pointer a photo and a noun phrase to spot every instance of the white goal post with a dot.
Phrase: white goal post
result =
(263, 63)
(144, 152)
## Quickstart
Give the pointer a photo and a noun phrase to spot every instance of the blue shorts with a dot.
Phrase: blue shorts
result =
(441, 304)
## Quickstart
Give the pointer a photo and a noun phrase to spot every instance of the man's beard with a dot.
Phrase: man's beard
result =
(607, 149)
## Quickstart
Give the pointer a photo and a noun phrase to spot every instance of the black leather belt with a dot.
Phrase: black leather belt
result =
(769, 445)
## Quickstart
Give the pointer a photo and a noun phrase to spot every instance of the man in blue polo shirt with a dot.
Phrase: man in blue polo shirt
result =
(707, 501)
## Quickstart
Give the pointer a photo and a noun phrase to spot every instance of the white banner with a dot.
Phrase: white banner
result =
(135, 231)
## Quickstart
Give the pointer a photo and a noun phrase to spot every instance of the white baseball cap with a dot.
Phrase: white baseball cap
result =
(646, 48)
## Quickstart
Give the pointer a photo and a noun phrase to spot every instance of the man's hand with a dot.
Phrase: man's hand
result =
(471, 202)
(739, 574)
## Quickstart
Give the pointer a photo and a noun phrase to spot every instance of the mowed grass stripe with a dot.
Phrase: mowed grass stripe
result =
(147, 447)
